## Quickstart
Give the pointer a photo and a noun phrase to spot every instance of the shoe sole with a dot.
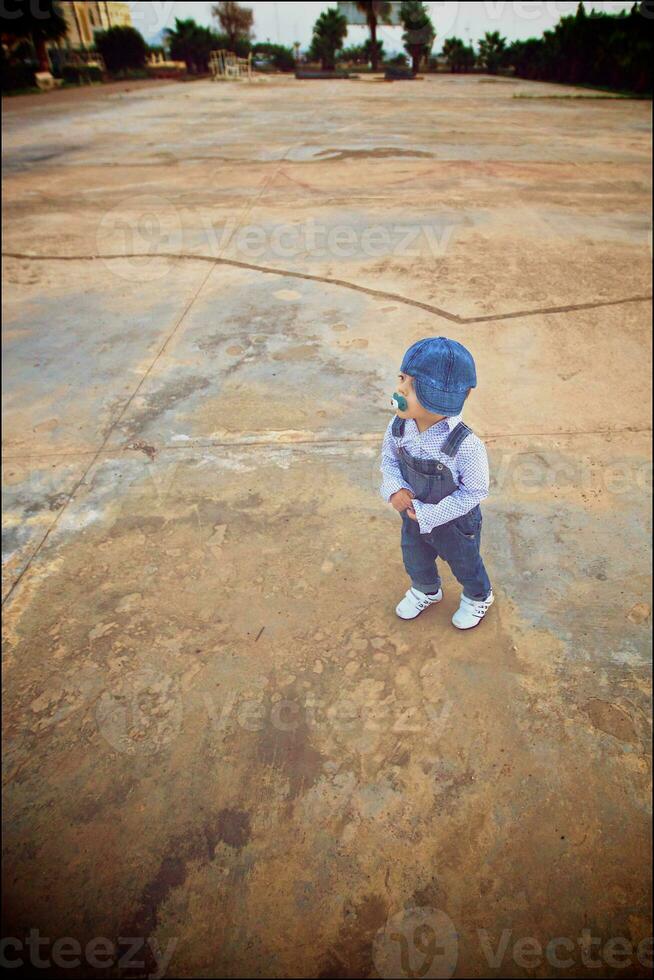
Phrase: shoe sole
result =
(464, 629)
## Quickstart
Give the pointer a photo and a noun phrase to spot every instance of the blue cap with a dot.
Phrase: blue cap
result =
(443, 370)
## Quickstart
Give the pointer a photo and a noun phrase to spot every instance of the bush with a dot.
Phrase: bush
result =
(17, 71)
(398, 59)
(458, 55)
(17, 75)
(193, 44)
(121, 48)
(81, 74)
(606, 50)
(280, 57)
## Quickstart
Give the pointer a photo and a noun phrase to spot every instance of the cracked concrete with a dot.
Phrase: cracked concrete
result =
(216, 730)
(377, 293)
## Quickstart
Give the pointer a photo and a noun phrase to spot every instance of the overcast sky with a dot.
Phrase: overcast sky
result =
(285, 23)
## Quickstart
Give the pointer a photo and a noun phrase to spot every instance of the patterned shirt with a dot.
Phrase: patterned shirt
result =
(469, 469)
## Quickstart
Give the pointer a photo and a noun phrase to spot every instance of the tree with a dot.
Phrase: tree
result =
(353, 55)
(459, 56)
(612, 51)
(282, 58)
(329, 32)
(373, 57)
(192, 43)
(235, 21)
(492, 52)
(361, 54)
(121, 48)
(375, 10)
(39, 23)
(418, 33)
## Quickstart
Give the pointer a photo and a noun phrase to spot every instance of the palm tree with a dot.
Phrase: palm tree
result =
(39, 23)
(492, 52)
(192, 43)
(452, 48)
(418, 33)
(375, 10)
(459, 56)
(329, 32)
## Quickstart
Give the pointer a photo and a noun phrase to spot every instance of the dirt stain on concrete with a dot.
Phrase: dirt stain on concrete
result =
(233, 827)
(156, 403)
(291, 753)
(611, 719)
(351, 954)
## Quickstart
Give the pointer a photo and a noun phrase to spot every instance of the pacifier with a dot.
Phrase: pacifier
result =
(399, 402)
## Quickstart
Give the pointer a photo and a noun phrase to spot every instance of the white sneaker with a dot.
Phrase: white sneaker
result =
(471, 611)
(414, 602)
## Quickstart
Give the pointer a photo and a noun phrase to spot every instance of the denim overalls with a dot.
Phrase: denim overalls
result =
(458, 540)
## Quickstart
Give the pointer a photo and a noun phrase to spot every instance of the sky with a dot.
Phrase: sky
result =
(285, 23)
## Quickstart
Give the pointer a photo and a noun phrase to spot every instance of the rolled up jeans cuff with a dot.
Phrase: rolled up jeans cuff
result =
(426, 587)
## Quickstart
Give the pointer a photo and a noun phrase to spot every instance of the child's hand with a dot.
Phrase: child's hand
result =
(401, 500)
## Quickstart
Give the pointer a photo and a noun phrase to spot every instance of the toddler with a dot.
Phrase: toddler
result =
(435, 473)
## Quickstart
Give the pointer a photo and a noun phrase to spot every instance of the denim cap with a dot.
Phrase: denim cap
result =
(442, 370)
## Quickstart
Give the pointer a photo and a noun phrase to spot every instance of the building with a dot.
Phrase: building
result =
(84, 19)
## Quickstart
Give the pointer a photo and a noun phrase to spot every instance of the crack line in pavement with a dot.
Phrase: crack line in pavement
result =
(377, 293)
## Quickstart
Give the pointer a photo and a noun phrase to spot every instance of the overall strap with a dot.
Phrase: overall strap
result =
(397, 428)
(460, 432)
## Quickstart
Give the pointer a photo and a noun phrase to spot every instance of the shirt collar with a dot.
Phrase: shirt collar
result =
(450, 420)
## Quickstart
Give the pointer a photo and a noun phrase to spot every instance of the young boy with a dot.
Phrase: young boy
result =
(435, 473)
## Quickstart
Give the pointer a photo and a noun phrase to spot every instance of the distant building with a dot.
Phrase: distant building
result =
(84, 19)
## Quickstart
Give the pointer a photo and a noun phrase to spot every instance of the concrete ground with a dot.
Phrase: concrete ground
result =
(218, 735)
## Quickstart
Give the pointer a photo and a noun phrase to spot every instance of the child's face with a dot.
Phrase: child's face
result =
(414, 409)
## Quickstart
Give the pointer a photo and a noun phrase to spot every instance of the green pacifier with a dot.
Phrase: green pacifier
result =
(399, 402)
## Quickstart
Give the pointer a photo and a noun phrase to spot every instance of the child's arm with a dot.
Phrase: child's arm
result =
(473, 488)
(390, 467)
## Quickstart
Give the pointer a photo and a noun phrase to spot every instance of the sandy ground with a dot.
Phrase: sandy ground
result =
(217, 733)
